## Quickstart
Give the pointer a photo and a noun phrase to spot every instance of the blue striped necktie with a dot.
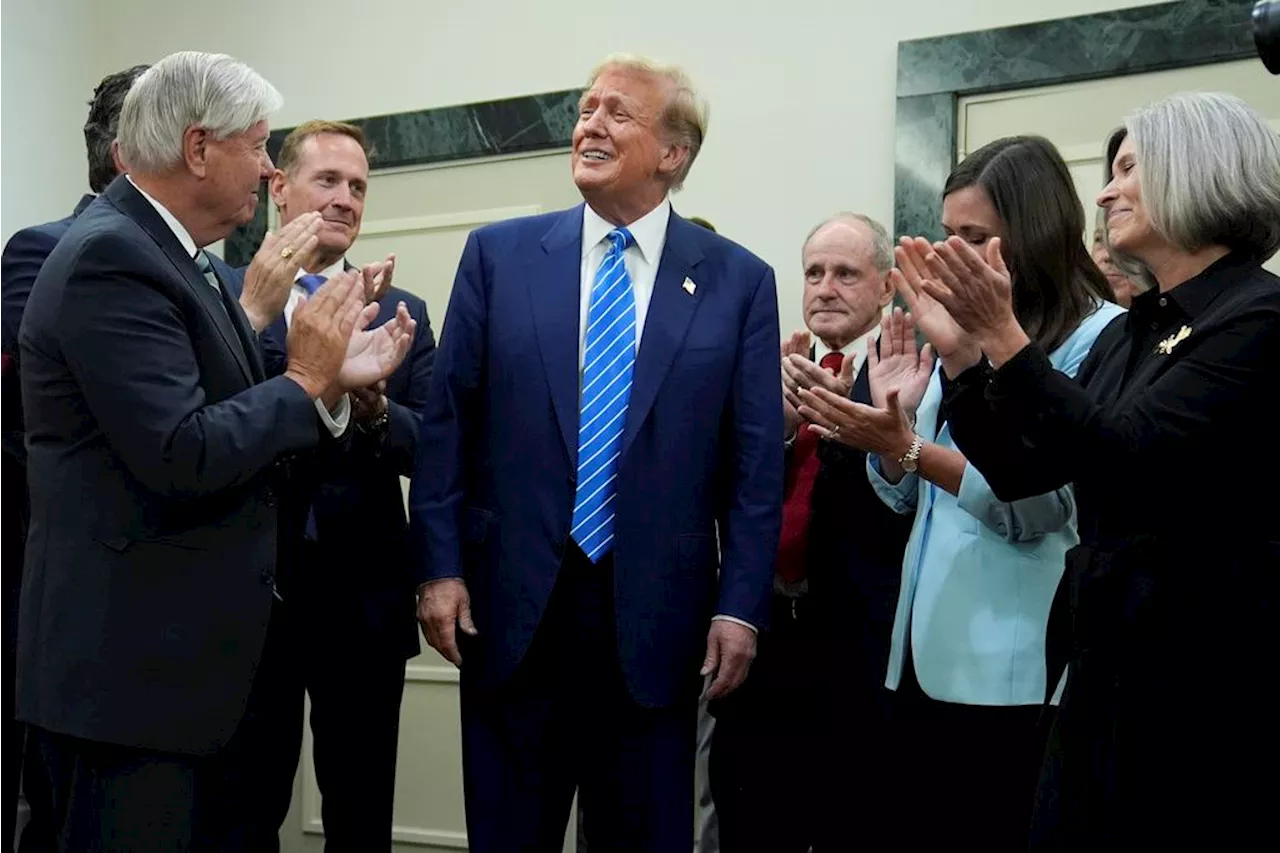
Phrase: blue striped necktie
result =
(609, 356)
(310, 283)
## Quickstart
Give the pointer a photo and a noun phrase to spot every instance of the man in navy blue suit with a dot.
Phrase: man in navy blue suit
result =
(23, 257)
(598, 494)
(353, 576)
(153, 637)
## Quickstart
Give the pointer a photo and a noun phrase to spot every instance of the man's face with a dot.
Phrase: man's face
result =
(844, 293)
(331, 178)
(234, 169)
(619, 151)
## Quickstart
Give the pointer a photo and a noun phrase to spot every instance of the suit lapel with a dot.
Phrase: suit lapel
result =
(556, 302)
(244, 329)
(671, 308)
(128, 200)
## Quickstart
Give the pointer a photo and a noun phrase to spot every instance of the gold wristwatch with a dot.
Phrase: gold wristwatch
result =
(910, 460)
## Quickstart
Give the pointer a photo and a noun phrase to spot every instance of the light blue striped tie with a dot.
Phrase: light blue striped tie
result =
(609, 356)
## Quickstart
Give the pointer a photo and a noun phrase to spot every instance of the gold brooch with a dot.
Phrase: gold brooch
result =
(1166, 346)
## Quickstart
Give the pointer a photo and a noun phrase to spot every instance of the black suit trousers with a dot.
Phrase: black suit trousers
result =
(117, 799)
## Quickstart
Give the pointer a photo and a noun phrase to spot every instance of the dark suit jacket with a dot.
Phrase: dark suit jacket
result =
(23, 257)
(493, 495)
(363, 587)
(854, 558)
(152, 446)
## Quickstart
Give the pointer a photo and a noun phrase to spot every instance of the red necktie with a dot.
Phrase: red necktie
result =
(802, 471)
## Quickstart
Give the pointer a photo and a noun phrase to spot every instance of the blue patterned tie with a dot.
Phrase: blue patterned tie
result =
(609, 356)
(311, 283)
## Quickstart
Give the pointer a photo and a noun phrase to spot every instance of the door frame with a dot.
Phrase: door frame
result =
(934, 73)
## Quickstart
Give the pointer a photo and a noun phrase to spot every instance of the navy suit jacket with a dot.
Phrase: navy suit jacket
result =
(154, 448)
(23, 257)
(363, 586)
(699, 485)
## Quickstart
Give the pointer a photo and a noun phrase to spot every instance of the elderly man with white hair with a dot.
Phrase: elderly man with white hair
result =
(151, 663)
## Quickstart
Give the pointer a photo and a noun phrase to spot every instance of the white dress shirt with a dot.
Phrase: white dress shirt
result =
(642, 258)
(337, 421)
(855, 349)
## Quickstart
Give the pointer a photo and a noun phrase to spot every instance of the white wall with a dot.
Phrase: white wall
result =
(801, 92)
(46, 82)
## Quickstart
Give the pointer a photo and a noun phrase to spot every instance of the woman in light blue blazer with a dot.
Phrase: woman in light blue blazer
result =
(967, 660)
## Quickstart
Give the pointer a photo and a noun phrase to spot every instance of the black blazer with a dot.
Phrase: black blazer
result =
(358, 584)
(854, 558)
(153, 444)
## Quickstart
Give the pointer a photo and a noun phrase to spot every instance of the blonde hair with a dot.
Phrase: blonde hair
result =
(291, 150)
(683, 119)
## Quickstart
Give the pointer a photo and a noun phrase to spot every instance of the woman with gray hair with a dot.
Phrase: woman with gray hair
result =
(1168, 603)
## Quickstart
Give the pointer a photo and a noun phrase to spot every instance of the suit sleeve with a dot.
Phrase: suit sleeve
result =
(450, 420)
(405, 412)
(128, 346)
(1063, 435)
(752, 517)
(23, 257)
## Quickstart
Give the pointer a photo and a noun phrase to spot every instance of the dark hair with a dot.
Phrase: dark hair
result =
(104, 117)
(1055, 281)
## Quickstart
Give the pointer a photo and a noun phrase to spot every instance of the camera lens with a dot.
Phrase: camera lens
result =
(1266, 33)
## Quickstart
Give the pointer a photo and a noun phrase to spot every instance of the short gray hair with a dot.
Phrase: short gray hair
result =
(189, 89)
(881, 244)
(684, 119)
(1209, 167)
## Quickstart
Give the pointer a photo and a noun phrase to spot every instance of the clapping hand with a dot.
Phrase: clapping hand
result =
(898, 366)
(374, 354)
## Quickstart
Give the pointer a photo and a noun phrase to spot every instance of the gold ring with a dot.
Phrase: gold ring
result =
(286, 252)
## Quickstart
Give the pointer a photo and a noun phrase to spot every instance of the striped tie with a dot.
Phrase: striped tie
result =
(206, 269)
(609, 355)
(310, 283)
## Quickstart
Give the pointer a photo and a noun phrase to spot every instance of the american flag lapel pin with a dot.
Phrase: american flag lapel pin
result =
(689, 286)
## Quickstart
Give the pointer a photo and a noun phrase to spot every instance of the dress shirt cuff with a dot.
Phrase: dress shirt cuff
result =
(734, 619)
(339, 419)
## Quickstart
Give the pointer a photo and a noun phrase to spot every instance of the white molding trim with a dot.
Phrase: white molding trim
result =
(416, 835)
(431, 674)
(446, 221)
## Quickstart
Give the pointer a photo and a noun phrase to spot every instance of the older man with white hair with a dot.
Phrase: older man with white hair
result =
(150, 658)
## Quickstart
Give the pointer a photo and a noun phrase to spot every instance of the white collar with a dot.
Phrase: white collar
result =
(649, 231)
(857, 347)
(328, 272)
(178, 229)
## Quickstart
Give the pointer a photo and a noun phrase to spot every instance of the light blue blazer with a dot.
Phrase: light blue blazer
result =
(979, 574)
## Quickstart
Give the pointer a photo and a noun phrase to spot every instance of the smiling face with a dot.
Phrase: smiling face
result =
(331, 176)
(234, 168)
(1129, 227)
(623, 162)
(969, 214)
